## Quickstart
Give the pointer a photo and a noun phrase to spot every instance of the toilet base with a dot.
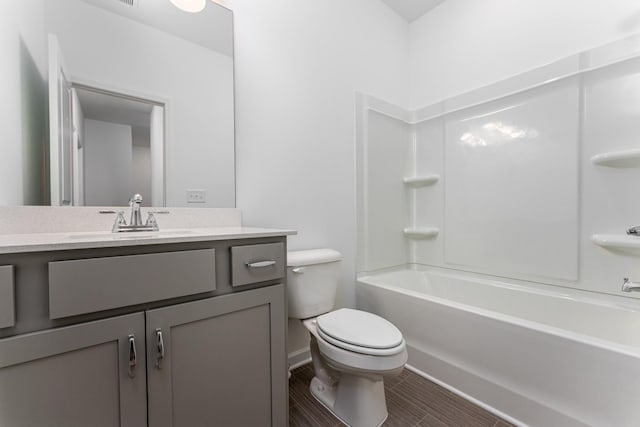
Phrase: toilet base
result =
(355, 400)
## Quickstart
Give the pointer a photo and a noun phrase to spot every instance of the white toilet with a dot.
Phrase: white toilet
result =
(352, 351)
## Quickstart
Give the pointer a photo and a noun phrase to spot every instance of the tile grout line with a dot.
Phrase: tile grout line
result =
(421, 420)
(310, 413)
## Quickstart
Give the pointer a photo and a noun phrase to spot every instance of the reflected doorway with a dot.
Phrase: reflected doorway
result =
(118, 144)
(104, 146)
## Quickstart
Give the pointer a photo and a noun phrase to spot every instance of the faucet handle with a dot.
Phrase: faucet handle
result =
(151, 222)
(120, 221)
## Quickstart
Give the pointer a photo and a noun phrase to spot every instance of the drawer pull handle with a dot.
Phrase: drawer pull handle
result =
(260, 264)
(160, 348)
(133, 356)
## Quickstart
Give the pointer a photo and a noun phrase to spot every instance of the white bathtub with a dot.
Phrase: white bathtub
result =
(537, 356)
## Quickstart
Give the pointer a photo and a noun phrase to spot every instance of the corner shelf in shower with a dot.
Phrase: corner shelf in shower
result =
(618, 243)
(618, 159)
(420, 181)
(421, 232)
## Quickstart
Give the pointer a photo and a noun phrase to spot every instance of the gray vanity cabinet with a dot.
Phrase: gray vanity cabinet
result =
(80, 375)
(219, 359)
(176, 335)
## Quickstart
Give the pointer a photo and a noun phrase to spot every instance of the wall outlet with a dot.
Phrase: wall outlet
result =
(196, 196)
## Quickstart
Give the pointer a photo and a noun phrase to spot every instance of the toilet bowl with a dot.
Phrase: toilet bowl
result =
(352, 351)
(349, 376)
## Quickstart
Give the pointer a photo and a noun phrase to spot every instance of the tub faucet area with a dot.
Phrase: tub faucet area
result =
(634, 231)
(629, 286)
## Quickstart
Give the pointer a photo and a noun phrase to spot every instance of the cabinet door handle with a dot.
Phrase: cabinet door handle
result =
(160, 348)
(133, 356)
(261, 264)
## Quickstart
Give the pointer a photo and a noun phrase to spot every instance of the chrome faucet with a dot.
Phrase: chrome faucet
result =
(136, 216)
(628, 285)
(135, 224)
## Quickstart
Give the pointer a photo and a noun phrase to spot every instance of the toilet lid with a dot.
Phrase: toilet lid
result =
(359, 331)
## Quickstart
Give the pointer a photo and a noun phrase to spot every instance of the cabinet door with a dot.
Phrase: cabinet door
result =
(81, 375)
(219, 361)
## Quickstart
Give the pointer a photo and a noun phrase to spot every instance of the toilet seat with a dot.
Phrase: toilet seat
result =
(360, 332)
(359, 361)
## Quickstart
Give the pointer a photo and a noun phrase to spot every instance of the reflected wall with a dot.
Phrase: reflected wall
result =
(116, 53)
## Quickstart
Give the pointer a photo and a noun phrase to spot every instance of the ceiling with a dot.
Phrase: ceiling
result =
(412, 9)
(114, 109)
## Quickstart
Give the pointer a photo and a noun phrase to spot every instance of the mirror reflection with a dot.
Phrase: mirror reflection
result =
(119, 148)
(137, 98)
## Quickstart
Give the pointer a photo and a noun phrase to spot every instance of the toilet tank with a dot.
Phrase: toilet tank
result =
(312, 281)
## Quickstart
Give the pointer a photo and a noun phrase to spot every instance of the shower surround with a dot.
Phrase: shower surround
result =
(529, 181)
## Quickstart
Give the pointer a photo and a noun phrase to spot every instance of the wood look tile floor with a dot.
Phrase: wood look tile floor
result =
(412, 401)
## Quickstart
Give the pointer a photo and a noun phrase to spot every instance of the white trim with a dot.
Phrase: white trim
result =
(299, 358)
(623, 50)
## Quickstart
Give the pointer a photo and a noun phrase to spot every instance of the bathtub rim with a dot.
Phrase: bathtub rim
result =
(567, 294)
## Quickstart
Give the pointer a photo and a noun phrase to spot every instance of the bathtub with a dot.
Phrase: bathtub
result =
(534, 354)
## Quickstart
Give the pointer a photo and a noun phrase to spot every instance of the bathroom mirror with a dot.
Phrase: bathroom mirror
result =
(118, 97)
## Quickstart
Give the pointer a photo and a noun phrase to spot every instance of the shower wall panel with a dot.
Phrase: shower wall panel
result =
(428, 201)
(610, 202)
(511, 188)
(388, 158)
(532, 178)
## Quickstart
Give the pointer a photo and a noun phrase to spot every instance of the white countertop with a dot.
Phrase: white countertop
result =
(41, 242)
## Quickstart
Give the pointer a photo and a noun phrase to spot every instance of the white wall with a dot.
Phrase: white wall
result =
(462, 45)
(142, 171)
(22, 110)
(108, 156)
(298, 66)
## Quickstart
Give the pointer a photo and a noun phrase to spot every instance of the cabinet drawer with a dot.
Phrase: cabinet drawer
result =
(95, 284)
(7, 299)
(257, 263)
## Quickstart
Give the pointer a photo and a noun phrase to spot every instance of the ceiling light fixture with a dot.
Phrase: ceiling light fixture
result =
(192, 6)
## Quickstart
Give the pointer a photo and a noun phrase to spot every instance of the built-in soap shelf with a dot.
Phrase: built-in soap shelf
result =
(618, 159)
(421, 232)
(618, 243)
(420, 181)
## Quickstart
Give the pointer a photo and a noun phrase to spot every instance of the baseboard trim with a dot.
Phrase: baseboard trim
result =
(299, 358)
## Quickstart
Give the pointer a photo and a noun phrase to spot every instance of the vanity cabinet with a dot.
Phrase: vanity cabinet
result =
(75, 376)
(215, 358)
